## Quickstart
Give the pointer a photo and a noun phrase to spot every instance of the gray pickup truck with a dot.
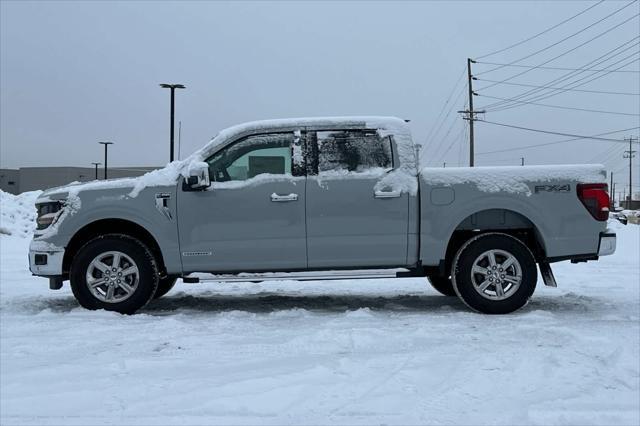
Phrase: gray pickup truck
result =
(320, 198)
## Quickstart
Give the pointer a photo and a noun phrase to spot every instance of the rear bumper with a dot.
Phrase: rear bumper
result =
(607, 244)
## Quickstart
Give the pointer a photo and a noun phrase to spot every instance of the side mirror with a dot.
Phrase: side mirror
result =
(198, 178)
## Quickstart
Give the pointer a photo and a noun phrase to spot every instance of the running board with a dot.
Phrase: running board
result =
(297, 276)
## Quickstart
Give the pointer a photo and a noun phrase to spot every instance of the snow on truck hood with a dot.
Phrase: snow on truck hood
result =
(169, 174)
(513, 179)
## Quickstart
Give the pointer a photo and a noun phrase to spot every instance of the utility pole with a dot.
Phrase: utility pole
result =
(613, 193)
(106, 144)
(611, 196)
(179, 137)
(96, 165)
(630, 154)
(173, 88)
(522, 161)
(470, 114)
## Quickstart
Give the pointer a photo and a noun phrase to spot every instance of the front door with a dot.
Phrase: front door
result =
(349, 225)
(252, 218)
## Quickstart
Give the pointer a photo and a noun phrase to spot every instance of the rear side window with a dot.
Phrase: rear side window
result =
(353, 151)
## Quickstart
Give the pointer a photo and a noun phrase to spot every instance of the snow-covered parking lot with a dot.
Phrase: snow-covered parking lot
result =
(341, 352)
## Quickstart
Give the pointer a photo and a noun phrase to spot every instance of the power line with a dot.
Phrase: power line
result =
(542, 32)
(444, 107)
(564, 53)
(455, 139)
(447, 115)
(551, 132)
(566, 38)
(570, 75)
(563, 107)
(437, 150)
(585, 68)
(572, 84)
(561, 88)
(549, 68)
(557, 142)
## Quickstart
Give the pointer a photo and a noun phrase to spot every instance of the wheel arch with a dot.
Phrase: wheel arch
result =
(503, 220)
(111, 226)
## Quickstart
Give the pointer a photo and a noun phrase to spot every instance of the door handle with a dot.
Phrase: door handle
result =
(387, 194)
(283, 198)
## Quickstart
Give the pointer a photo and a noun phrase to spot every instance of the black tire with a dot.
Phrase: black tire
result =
(147, 275)
(487, 300)
(164, 286)
(442, 285)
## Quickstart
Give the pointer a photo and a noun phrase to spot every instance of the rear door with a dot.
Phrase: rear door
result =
(252, 218)
(349, 225)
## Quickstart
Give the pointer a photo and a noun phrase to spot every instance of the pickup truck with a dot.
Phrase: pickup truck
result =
(320, 198)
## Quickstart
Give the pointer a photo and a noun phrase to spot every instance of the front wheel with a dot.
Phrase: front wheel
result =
(494, 273)
(114, 272)
(164, 286)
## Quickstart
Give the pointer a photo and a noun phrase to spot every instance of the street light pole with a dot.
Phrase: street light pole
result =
(96, 165)
(106, 144)
(173, 88)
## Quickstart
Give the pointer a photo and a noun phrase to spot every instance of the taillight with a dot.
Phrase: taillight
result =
(595, 198)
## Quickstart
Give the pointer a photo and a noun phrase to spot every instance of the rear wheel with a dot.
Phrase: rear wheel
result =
(443, 285)
(114, 272)
(494, 273)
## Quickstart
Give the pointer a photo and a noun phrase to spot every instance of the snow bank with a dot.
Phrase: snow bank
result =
(18, 213)
(512, 179)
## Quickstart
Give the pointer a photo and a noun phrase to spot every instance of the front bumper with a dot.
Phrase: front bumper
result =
(607, 244)
(45, 259)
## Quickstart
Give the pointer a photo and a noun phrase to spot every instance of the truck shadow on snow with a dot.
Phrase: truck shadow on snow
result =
(265, 303)
(273, 302)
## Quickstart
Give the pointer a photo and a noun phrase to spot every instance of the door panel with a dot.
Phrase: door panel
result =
(242, 228)
(348, 224)
(252, 218)
(348, 227)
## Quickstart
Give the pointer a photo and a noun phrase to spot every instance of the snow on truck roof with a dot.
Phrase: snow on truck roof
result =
(393, 125)
(373, 122)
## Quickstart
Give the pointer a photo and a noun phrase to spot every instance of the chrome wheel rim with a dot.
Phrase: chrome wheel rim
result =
(112, 277)
(496, 274)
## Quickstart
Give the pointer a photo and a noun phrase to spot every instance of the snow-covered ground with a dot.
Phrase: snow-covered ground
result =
(341, 352)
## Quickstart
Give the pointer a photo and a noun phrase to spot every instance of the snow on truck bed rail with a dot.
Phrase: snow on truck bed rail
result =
(513, 178)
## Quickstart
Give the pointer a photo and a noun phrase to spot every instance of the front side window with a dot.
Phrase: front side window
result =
(253, 156)
(353, 151)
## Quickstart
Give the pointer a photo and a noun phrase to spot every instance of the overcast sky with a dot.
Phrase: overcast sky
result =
(75, 73)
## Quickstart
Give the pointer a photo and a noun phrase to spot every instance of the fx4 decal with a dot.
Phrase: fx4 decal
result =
(552, 188)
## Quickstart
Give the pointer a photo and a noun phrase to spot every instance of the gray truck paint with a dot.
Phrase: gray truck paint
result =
(332, 223)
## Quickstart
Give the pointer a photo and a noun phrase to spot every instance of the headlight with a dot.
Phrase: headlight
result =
(47, 214)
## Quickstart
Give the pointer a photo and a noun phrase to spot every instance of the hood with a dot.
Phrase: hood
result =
(166, 176)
